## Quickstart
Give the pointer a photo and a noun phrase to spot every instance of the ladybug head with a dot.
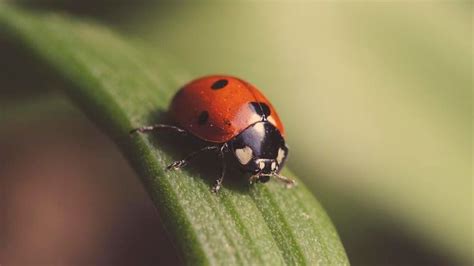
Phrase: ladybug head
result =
(260, 150)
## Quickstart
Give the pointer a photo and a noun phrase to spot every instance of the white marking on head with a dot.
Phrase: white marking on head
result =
(255, 117)
(261, 165)
(271, 120)
(273, 165)
(280, 156)
(244, 155)
(259, 129)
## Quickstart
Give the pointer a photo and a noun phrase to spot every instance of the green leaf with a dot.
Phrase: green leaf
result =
(118, 87)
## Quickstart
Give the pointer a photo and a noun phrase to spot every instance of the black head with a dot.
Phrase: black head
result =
(260, 149)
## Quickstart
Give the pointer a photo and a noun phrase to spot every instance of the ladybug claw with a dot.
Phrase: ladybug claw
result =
(253, 179)
(140, 130)
(215, 189)
(217, 186)
(176, 165)
(133, 131)
(290, 184)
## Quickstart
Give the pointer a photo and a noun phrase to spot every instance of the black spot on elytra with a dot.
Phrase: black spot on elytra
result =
(219, 84)
(203, 117)
(261, 108)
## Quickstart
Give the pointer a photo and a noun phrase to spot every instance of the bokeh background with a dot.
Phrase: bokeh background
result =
(376, 98)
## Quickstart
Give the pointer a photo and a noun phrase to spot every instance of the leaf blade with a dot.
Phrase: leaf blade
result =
(117, 87)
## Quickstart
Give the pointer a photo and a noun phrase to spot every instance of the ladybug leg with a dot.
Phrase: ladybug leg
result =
(147, 129)
(218, 183)
(253, 179)
(288, 182)
(181, 163)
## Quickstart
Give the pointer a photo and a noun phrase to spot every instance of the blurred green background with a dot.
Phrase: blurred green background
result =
(376, 98)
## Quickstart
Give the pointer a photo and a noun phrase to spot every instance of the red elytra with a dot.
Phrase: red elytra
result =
(217, 108)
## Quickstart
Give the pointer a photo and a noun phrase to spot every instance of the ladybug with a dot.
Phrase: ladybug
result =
(231, 116)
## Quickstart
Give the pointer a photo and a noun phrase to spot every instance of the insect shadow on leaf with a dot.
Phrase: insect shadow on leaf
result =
(207, 164)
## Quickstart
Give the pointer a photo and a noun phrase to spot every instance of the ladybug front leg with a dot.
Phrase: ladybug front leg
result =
(181, 163)
(289, 183)
(218, 183)
(147, 129)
